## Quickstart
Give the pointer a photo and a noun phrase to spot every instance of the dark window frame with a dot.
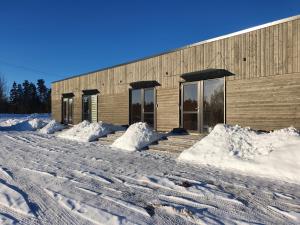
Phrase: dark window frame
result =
(200, 117)
(69, 119)
(89, 95)
(142, 105)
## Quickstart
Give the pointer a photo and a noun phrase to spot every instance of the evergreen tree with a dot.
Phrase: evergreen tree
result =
(20, 98)
(13, 98)
(29, 98)
(48, 102)
(33, 100)
(43, 95)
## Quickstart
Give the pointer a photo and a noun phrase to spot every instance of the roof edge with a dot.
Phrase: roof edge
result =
(190, 45)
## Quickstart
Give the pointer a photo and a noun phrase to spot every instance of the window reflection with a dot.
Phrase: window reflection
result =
(136, 106)
(149, 100)
(67, 111)
(190, 97)
(142, 105)
(213, 103)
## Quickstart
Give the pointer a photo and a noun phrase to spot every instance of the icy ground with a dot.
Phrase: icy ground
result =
(46, 180)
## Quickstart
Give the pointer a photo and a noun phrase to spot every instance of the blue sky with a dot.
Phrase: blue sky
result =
(59, 38)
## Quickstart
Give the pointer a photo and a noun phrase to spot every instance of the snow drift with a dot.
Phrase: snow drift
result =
(23, 125)
(275, 154)
(86, 131)
(136, 137)
(52, 127)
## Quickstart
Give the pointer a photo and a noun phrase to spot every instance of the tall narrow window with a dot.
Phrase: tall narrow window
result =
(136, 106)
(142, 106)
(213, 103)
(149, 106)
(90, 108)
(190, 106)
(67, 110)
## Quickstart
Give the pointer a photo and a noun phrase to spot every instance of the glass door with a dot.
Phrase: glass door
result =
(202, 104)
(213, 103)
(90, 108)
(148, 106)
(86, 108)
(136, 106)
(67, 110)
(190, 106)
(142, 106)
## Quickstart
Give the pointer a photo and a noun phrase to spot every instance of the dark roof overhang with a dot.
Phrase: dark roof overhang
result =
(90, 92)
(144, 84)
(68, 95)
(206, 74)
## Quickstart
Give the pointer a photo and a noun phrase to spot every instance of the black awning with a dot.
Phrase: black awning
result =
(206, 74)
(90, 92)
(68, 95)
(144, 84)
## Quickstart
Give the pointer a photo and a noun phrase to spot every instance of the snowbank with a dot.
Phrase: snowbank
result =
(136, 137)
(23, 122)
(52, 127)
(86, 131)
(275, 154)
(23, 125)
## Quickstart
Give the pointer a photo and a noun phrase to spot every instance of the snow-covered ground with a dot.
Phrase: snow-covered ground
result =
(48, 180)
(275, 154)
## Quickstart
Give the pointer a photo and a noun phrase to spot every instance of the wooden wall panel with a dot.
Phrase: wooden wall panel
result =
(77, 107)
(277, 106)
(114, 108)
(168, 108)
(267, 52)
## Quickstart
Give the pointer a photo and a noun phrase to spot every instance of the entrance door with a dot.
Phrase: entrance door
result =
(90, 108)
(67, 110)
(148, 106)
(190, 106)
(142, 106)
(202, 104)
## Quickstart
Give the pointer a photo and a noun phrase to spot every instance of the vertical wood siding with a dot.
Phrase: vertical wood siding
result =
(255, 58)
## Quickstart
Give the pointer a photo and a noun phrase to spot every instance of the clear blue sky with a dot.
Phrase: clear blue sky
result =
(61, 38)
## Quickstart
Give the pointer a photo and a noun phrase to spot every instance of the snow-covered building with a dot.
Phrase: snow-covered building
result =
(250, 77)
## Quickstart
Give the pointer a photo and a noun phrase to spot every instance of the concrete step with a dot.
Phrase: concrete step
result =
(176, 143)
(158, 147)
(110, 138)
(186, 137)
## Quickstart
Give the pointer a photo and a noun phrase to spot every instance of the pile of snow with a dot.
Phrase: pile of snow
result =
(10, 122)
(136, 137)
(52, 127)
(86, 131)
(275, 154)
(23, 122)
(24, 125)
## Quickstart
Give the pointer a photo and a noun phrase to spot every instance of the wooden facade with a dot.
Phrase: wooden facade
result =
(263, 93)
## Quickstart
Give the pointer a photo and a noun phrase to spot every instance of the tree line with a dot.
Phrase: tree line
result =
(25, 98)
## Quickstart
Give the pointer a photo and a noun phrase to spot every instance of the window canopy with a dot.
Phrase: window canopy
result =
(206, 74)
(144, 84)
(90, 92)
(68, 95)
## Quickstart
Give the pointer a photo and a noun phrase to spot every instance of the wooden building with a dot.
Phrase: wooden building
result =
(250, 78)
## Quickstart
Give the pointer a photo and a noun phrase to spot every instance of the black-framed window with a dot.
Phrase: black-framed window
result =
(202, 104)
(90, 107)
(142, 105)
(67, 110)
